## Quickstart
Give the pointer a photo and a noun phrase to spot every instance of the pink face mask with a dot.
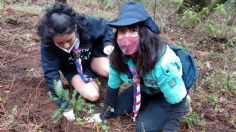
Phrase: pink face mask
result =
(128, 45)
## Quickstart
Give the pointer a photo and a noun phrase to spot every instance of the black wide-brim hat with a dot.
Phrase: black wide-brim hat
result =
(132, 13)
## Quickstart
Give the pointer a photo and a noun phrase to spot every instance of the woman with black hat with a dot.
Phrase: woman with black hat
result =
(157, 93)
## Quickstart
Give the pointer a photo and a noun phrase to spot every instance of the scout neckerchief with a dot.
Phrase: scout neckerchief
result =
(137, 93)
(76, 56)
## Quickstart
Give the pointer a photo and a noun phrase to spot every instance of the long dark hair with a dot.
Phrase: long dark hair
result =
(149, 52)
(60, 19)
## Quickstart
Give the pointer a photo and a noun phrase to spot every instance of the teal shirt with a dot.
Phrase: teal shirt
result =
(165, 77)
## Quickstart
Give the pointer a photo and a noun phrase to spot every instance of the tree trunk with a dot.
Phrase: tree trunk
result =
(63, 1)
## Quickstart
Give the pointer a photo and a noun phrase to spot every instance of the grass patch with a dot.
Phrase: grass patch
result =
(28, 9)
(1, 5)
(9, 119)
(220, 81)
(93, 8)
(194, 119)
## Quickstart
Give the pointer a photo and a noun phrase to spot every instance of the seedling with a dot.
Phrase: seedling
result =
(75, 102)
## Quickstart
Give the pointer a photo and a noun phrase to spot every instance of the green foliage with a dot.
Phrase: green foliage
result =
(104, 126)
(229, 84)
(194, 119)
(111, 4)
(234, 59)
(60, 91)
(58, 113)
(82, 106)
(190, 18)
(213, 28)
(191, 119)
(30, 72)
(10, 118)
(213, 99)
(221, 9)
(220, 81)
(204, 12)
(90, 108)
(1, 5)
(178, 2)
(79, 121)
(77, 103)
(32, 9)
(230, 6)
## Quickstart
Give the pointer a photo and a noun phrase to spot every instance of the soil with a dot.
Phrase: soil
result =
(22, 85)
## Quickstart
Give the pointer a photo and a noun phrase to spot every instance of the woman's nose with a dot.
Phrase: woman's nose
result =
(127, 34)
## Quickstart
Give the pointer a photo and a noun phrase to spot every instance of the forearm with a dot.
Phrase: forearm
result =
(177, 112)
(108, 35)
(109, 103)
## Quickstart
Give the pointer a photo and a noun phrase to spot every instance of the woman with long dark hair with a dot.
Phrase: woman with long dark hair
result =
(76, 45)
(157, 93)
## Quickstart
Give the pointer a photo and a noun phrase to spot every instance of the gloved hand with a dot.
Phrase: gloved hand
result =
(69, 115)
(94, 118)
(108, 49)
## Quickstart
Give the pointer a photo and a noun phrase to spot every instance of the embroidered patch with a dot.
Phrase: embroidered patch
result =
(172, 83)
(151, 82)
(85, 54)
(125, 86)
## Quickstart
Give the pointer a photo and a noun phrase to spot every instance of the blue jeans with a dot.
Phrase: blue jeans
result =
(156, 113)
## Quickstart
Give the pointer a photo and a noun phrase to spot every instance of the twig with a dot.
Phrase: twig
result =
(97, 127)
(7, 50)
(37, 127)
(128, 126)
(128, 115)
(3, 109)
(12, 60)
(4, 51)
(24, 107)
(36, 91)
(4, 101)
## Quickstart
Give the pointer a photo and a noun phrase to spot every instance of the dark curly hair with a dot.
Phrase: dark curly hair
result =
(149, 52)
(60, 19)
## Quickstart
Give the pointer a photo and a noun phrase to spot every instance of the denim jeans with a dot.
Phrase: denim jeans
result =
(156, 114)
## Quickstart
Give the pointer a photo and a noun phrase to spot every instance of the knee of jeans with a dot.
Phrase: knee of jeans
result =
(146, 126)
(119, 112)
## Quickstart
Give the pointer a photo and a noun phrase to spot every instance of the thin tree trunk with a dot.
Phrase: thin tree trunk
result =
(63, 1)
(154, 8)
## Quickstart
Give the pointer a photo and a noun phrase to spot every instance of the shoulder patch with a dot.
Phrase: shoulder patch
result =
(172, 83)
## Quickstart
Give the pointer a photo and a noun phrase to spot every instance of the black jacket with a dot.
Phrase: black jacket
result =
(53, 59)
